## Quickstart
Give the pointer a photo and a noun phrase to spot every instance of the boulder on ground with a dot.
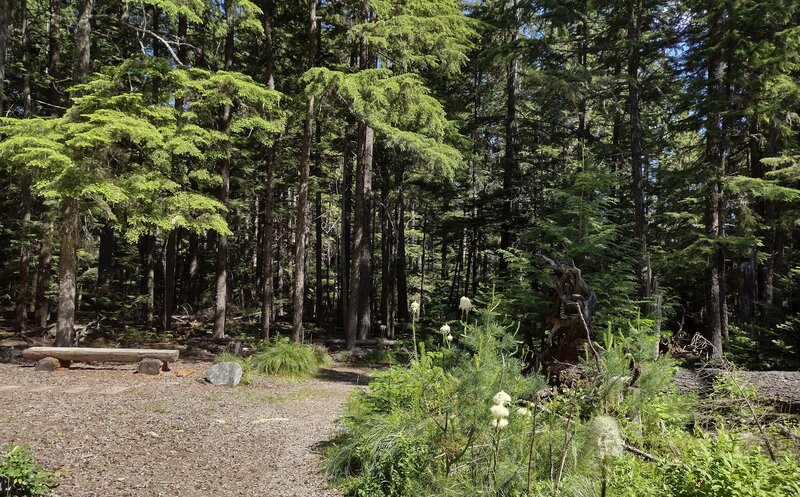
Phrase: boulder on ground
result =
(150, 365)
(225, 373)
(48, 364)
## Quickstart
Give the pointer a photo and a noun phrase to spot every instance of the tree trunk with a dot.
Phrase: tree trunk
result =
(713, 214)
(221, 300)
(43, 276)
(4, 6)
(149, 266)
(27, 102)
(402, 277)
(509, 155)
(23, 277)
(68, 258)
(318, 290)
(643, 272)
(83, 42)
(301, 226)
(267, 290)
(67, 272)
(358, 308)
(171, 249)
(347, 215)
(54, 56)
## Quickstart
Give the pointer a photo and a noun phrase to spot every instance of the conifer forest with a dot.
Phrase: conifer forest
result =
(561, 237)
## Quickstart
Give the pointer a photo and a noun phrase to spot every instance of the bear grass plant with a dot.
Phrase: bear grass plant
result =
(279, 357)
(463, 420)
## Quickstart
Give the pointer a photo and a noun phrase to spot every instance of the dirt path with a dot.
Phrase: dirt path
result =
(117, 433)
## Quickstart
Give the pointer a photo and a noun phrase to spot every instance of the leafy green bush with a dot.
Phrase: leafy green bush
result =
(20, 476)
(285, 358)
(463, 420)
(724, 467)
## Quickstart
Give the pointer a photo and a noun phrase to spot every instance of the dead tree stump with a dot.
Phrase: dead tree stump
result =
(570, 324)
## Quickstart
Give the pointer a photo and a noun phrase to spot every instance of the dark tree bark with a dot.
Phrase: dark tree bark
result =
(714, 160)
(318, 290)
(347, 215)
(221, 305)
(23, 276)
(26, 196)
(402, 278)
(301, 226)
(42, 312)
(105, 259)
(643, 272)
(267, 288)
(359, 305)
(509, 154)
(54, 56)
(171, 249)
(4, 6)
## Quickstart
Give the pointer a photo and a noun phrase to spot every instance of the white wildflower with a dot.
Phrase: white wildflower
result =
(449, 338)
(383, 327)
(499, 412)
(524, 412)
(445, 329)
(465, 304)
(502, 398)
(500, 423)
(604, 437)
(415, 310)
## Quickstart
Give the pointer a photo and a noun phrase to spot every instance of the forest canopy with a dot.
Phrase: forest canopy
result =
(332, 165)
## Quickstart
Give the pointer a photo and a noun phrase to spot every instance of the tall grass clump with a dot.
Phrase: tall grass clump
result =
(468, 419)
(284, 358)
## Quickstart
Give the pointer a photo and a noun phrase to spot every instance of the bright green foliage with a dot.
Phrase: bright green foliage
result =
(419, 34)
(427, 429)
(20, 476)
(285, 358)
(399, 108)
(725, 467)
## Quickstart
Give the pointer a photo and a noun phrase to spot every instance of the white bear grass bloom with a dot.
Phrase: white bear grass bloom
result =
(502, 398)
(415, 307)
(499, 423)
(499, 411)
(465, 304)
(445, 329)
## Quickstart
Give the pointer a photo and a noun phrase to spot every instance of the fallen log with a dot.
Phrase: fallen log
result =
(87, 354)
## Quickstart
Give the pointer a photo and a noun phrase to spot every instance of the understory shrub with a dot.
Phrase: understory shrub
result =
(20, 476)
(463, 420)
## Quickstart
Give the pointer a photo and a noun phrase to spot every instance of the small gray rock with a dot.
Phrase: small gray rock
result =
(224, 373)
(150, 365)
(48, 364)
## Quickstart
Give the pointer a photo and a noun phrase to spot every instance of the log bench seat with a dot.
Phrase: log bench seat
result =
(151, 361)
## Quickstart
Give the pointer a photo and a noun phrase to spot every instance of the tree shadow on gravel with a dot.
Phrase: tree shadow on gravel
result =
(339, 376)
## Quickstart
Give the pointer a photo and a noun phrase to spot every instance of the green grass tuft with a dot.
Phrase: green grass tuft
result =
(285, 358)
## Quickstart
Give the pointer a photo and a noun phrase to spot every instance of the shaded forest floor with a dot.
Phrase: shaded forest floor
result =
(115, 432)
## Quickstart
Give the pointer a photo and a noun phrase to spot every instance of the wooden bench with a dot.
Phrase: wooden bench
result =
(151, 361)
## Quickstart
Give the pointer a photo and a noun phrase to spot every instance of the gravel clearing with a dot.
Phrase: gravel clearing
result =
(118, 433)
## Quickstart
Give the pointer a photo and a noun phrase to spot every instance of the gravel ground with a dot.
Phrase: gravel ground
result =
(118, 433)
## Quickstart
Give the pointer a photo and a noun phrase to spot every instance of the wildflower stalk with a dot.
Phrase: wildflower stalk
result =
(530, 449)
(494, 457)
